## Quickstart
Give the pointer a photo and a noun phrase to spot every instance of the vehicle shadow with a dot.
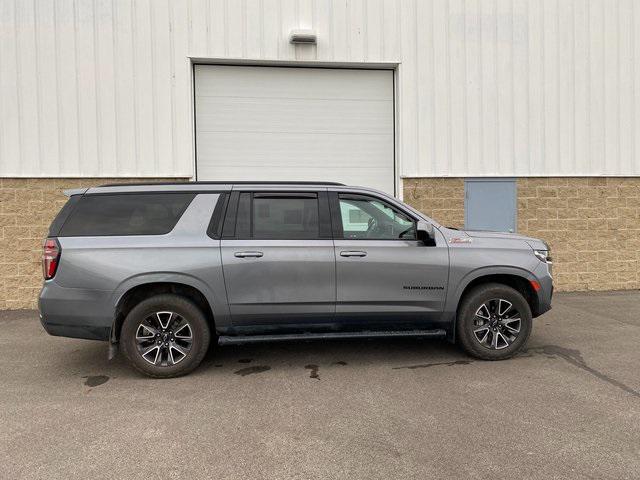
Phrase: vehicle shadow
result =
(90, 358)
(342, 352)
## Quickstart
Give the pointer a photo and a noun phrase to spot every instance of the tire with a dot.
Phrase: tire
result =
(172, 330)
(486, 310)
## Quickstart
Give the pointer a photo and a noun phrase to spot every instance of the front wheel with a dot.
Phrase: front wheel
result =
(165, 336)
(494, 322)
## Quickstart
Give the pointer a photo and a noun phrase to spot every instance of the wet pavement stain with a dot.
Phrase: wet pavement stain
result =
(571, 356)
(95, 380)
(251, 370)
(574, 357)
(245, 360)
(314, 371)
(427, 365)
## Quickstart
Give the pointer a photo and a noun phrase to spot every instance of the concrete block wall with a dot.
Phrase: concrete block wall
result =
(592, 224)
(27, 207)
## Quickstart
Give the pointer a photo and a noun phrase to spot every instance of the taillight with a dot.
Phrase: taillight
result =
(50, 257)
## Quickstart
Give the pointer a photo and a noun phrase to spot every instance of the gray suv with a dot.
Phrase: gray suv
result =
(162, 270)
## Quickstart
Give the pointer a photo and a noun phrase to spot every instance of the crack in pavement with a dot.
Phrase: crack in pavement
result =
(571, 356)
(427, 365)
(574, 357)
(243, 372)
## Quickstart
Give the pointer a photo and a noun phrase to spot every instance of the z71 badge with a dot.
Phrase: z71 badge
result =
(460, 240)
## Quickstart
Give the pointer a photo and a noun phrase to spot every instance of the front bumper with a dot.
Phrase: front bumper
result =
(75, 312)
(545, 294)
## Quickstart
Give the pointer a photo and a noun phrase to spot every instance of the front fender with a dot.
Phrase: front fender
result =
(454, 295)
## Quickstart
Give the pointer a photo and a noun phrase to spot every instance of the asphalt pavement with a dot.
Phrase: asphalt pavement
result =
(567, 407)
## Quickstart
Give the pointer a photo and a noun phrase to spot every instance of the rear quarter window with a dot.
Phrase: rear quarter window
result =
(126, 214)
(63, 214)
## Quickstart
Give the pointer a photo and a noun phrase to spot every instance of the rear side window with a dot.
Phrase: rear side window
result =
(285, 217)
(126, 214)
(63, 214)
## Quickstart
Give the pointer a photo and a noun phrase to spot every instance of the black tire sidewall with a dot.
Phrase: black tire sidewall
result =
(466, 315)
(181, 306)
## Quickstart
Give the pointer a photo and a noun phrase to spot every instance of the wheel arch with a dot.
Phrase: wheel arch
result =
(140, 291)
(515, 278)
(519, 283)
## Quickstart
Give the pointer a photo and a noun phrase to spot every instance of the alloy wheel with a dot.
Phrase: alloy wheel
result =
(496, 324)
(164, 338)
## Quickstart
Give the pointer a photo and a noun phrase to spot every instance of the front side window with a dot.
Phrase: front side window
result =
(372, 219)
(285, 217)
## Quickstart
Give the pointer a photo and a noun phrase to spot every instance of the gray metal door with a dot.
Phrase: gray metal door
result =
(490, 204)
(279, 267)
(279, 281)
(383, 274)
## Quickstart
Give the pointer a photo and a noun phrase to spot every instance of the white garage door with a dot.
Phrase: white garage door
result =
(280, 123)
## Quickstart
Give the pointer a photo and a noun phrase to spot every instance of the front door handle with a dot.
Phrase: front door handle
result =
(248, 254)
(353, 253)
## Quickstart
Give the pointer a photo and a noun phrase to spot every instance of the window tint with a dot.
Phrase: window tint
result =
(61, 218)
(243, 220)
(285, 217)
(373, 219)
(214, 230)
(126, 214)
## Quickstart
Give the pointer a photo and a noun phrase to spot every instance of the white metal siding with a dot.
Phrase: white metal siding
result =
(275, 123)
(486, 87)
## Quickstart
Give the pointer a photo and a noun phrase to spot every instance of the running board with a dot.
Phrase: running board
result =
(240, 339)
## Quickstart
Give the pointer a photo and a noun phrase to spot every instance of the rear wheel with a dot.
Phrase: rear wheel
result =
(165, 336)
(494, 322)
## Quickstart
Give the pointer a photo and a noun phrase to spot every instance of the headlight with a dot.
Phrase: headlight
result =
(544, 256)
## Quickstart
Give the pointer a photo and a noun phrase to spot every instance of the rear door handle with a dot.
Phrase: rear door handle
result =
(248, 254)
(353, 253)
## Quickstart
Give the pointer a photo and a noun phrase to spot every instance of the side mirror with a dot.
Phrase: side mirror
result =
(426, 233)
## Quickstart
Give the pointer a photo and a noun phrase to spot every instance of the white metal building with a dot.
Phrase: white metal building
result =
(391, 90)
(479, 87)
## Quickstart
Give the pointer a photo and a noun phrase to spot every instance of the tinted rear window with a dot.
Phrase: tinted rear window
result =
(126, 214)
(286, 218)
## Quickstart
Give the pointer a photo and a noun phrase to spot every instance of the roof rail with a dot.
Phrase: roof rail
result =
(244, 182)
